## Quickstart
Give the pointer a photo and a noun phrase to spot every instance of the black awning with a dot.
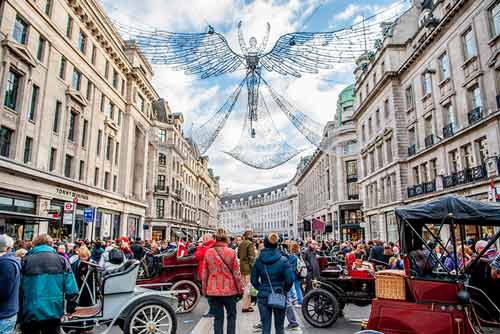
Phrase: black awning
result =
(462, 210)
(24, 216)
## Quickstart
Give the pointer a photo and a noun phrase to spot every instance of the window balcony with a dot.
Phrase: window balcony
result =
(423, 188)
(449, 130)
(475, 115)
(429, 140)
(412, 149)
(465, 176)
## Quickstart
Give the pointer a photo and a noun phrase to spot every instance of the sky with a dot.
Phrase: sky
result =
(315, 95)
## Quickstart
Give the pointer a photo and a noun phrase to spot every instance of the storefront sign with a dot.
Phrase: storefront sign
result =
(69, 208)
(72, 194)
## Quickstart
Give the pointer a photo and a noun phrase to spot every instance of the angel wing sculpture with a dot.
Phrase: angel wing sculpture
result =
(209, 55)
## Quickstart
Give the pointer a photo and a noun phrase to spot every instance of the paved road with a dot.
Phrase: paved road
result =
(193, 323)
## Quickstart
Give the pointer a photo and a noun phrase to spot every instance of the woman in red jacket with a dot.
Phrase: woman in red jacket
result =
(221, 282)
(206, 241)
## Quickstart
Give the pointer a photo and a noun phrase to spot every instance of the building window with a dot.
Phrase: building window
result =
(123, 87)
(363, 136)
(141, 103)
(412, 136)
(380, 159)
(426, 83)
(62, 68)
(48, 7)
(162, 159)
(82, 42)
(388, 149)
(482, 145)
(428, 126)
(88, 95)
(33, 103)
(69, 27)
(84, 133)
(106, 69)
(115, 183)
(20, 32)
(160, 208)
(163, 135)
(475, 94)
(444, 67)
(111, 110)
(72, 126)
(5, 141)
(81, 170)
(371, 155)
(453, 161)
(93, 57)
(467, 154)
(377, 119)
(99, 141)
(117, 151)
(12, 90)
(109, 148)
(103, 102)
(410, 102)
(387, 109)
(28, 148)
(161, 182)
(68, 165)
(77, 80)
(96, 177)
(433, 169)
(494, 14)
(450, 115)
(106, 180)
(115, 79)
(52, 159)
(57, 115)
(40, 51)
(120, 117)
(469, 43)
(416, 175)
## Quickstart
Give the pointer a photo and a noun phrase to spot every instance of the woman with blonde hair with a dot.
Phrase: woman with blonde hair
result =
(221, 282)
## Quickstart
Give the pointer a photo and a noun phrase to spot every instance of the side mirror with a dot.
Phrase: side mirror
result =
(464, 297)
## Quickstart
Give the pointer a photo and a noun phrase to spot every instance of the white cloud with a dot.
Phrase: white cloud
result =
(348, 12)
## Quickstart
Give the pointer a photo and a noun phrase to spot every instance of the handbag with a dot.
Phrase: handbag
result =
(275, 300)
(240, 295)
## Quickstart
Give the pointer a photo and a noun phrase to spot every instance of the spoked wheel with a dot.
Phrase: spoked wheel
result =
(151, 318)
(320, 308)
(188, 300)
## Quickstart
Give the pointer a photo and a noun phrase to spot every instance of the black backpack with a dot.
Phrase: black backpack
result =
(115, 256)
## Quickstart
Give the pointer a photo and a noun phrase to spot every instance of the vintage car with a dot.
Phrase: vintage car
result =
(118, 301)
(336, 287)
(167, 271)
(433, 297)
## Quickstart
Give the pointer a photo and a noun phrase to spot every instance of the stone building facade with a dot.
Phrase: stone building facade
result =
(427, 109)
(76, 122)
(186, 193)
(273, 209)
(327, 181)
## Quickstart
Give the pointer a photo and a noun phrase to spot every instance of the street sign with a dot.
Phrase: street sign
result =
(75, 200)
(88, 215)
(68, 218)
(69, 206)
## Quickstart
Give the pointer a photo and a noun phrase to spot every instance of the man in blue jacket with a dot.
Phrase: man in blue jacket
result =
(10, 277)
(46, 281)
(271, 272)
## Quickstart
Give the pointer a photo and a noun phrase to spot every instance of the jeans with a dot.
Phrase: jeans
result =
(42, 327)
(298, 290)
(218, 304)
(266, 314)
(290, 313)
(8, 325)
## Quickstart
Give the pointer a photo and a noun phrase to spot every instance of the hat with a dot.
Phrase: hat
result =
(271, 241)
(495, 264)
(5, 242)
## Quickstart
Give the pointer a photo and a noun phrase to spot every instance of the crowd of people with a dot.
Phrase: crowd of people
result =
(269, 274)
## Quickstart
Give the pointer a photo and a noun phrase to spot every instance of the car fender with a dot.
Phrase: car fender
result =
(335, 290)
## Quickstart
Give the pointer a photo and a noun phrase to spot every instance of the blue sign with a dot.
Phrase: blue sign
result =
(88, 215)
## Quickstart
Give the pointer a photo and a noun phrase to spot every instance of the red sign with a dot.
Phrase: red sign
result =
(75, 200)
(318, 225)
(68, 206)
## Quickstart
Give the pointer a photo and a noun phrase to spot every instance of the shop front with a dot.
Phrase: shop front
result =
(18, 215)
(106, 225)
(350, 225)
(133, 229)
(60, 229)
(159, 233)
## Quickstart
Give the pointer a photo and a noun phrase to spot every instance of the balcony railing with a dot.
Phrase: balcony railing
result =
(412, 149)
(423, 188)
(475, 115)
(465, 176)
(449, 130)
(429, 140)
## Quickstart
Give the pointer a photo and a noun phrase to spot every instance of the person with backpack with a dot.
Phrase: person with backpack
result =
(272, 277)
(112, 258)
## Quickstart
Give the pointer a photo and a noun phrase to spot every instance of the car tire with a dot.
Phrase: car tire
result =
(154, 313)
(187, 302)
(320, 308)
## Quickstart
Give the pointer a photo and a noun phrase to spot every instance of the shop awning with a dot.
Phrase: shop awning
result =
(24, 216)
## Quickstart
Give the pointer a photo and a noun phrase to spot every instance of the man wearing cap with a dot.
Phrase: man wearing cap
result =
(10, 276)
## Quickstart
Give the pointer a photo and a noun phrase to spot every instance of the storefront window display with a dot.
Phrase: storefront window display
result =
(62, 231)
(107, 225)
(18, 227)
(391, 226)
(133, 227)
